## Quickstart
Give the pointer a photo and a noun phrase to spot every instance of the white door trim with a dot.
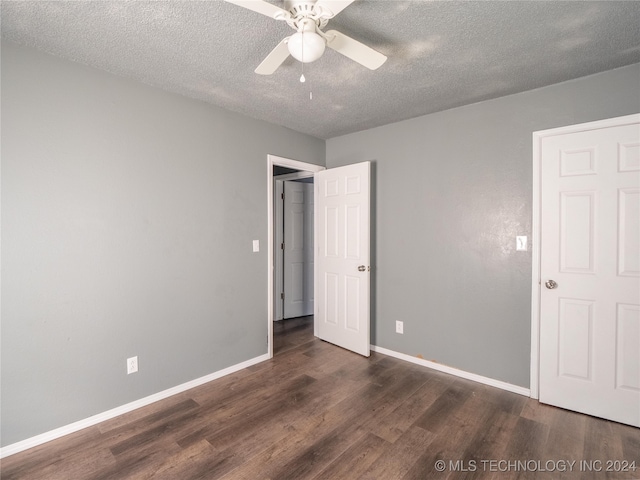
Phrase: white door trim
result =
(535, 228)
(289, 163)
(294, 176)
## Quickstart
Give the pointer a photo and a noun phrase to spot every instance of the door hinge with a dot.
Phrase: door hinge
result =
(282, 246)
(282, 196)
(282, 296)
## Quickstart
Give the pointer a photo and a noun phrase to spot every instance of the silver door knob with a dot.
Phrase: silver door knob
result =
(550, 284)
(362, 268)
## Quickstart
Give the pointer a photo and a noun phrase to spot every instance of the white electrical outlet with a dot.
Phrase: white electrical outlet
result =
(399, 327)
(256, 246)
(132, 365)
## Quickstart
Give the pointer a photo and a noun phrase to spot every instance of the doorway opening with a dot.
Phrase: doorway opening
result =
(297, 173)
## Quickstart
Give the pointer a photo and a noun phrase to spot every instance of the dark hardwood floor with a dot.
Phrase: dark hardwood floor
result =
(316, 411)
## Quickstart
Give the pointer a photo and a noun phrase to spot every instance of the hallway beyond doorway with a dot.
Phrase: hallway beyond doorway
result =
(291, 333)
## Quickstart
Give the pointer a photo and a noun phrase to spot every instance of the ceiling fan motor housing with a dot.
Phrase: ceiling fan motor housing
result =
(306, 10)
(306, 45)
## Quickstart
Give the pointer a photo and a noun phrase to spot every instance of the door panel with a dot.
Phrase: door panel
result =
(629, 234)
(298, 249)
(342, 264)
(577, 226)
(628, 347)
(575, 338)
(590, 244)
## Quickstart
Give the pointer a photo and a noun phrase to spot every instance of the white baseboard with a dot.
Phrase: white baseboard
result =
(101, 417)
(454, 371)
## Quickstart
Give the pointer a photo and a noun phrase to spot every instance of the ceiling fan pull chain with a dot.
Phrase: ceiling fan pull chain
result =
(302, 79)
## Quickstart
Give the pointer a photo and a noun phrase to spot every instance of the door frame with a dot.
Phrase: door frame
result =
(536, 238)
(288, 163)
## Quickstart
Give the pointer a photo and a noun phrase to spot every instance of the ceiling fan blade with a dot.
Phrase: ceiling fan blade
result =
(277, 56)
(355, 50)
(259, 6)
(334, 6)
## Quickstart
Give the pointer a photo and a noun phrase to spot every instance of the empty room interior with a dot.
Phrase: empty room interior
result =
(325, 239)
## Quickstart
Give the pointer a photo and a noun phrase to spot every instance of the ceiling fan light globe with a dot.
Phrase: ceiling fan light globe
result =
(309, 51)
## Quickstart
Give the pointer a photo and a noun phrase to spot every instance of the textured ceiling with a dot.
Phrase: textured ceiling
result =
(442, 54)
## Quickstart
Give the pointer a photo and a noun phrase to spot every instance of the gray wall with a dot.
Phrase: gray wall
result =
(453, 190)
(128, 215)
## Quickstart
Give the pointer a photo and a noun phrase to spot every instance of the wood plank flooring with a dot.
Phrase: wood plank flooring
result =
(316, 411)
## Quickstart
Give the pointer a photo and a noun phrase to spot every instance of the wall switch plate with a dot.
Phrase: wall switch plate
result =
(132, 365)
(256, 245)
(399, 327)
(521, 243)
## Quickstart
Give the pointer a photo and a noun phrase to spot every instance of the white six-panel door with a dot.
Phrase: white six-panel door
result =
(298, 249)
(342, 256)
(590, 272)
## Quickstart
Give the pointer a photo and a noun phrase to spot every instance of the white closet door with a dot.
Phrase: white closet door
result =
(590, 272)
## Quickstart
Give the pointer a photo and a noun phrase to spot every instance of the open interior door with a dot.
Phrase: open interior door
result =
(342, 273)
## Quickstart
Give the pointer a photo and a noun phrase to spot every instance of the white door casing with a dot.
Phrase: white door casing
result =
(589, 324)
(342, 267)
(309, 238)
(298, 243)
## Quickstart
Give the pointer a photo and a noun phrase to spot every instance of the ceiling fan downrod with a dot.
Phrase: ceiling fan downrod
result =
(299, 13)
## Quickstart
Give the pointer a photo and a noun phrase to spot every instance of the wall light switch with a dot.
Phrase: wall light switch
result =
(256, 245)
(521, 242)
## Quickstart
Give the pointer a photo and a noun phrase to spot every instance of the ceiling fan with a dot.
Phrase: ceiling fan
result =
(308, 18)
